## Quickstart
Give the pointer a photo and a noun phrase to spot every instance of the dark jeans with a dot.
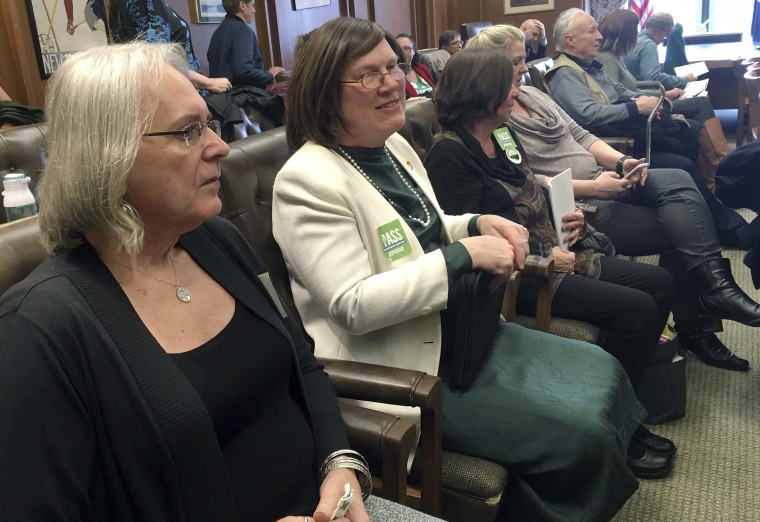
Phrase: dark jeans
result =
(630, 302)
(699, 108)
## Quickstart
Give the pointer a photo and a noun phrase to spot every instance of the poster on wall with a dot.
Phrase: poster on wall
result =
(206, 11)
(527, 6)
(305, 4)
(63, 27)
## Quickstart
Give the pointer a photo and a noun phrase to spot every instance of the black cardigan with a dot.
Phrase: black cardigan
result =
(97, 422)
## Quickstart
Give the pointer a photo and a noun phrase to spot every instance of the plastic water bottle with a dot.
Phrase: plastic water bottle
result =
(18, 200)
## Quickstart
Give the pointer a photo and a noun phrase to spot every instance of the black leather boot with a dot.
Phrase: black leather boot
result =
(720, 296)
(711, 351)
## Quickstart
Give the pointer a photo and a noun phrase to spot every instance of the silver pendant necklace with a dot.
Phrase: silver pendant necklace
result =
(355, 165)
(182, 293)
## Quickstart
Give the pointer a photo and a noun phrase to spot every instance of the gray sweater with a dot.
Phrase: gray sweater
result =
(551, 139)
(572, 93)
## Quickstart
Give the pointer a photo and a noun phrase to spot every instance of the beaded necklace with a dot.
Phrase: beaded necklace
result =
(354, 164)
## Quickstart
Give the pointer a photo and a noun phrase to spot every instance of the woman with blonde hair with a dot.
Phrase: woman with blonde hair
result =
(147, 373)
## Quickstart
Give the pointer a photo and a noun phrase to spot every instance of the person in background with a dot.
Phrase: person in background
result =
(535, 39)
(165, 382)
(619, 30)
(234, 51)
(666, 215)
(13, 113)
(604, 107)
(450, 41)
(156, 22)
(558, 413)
(419, 80)
(644, 60)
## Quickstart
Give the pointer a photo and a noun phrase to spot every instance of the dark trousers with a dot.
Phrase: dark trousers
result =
(699, 108)
(667, 216)
(630, 302)
(727, 221)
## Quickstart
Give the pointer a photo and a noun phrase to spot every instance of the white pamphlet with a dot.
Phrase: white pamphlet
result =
(562, 200)
(693, 89)
(697, 69)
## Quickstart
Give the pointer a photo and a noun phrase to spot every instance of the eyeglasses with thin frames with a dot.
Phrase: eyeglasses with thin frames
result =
(373, 80)
(191, 132)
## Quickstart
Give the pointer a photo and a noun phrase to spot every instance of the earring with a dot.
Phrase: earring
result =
(130, 210)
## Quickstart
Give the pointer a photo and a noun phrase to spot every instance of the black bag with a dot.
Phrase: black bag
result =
(662, 390)
(468, 327)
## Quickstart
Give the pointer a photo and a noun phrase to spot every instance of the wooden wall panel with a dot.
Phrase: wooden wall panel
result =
(290, 24)
(394, 15)
(19, 73)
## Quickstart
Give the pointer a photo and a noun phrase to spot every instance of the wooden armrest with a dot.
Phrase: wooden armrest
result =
(509, 305)
(589, 211)
(384, 439)
(372, 382)
(543, 269)
(619, 143)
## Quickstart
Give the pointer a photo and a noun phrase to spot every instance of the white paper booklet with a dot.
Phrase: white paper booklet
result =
(693, 89)
(697, 69)
(562, 201)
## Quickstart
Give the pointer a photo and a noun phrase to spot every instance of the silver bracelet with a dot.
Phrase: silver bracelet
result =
(352, 460)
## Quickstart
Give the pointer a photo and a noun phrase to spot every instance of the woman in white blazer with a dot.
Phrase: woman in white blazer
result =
(373, 258)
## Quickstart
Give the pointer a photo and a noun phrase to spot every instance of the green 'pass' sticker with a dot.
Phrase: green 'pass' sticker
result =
(393, 240)
(507, 144)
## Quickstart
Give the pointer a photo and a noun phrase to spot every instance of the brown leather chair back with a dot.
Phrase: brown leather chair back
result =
(421, 126)
(247, 182)
(22, 148)
(536, 71)
(435, 60)
(20, 251)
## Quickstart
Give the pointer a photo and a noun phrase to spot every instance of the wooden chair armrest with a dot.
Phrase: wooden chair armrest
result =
(383, 439)
(543, 269)
(509, 305)
(589, 211)
(371, 382)
(620, 143)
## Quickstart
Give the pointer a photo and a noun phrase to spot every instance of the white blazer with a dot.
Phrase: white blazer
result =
(355, 302)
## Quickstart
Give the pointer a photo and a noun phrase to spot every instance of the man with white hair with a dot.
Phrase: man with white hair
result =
(604, 107)
(578, 82)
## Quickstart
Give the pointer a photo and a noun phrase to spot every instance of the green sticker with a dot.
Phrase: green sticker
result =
(393, 240)
(507, 144)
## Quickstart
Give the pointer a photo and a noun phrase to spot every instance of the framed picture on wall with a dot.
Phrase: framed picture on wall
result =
(305, 4)
(206, 11)
(527, 6)
(62, 27)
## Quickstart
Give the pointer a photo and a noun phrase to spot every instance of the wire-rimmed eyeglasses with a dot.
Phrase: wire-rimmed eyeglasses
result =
(374, 79)
(192, 132)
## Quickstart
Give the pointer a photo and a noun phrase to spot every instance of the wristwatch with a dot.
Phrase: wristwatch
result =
(619, 166)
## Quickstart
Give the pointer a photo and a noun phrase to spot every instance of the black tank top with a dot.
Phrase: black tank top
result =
(246, 378)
